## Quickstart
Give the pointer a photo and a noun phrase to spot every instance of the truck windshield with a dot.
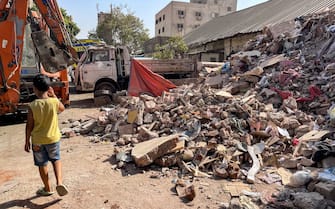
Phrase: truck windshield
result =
(97, 56)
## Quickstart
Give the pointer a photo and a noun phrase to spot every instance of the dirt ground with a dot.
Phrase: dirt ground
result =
(88, 171)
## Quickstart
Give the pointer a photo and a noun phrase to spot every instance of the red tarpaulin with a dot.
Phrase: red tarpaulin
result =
(143, 80)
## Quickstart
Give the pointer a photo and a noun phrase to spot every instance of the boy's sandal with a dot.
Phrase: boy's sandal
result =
(61, 190)
(43, 192)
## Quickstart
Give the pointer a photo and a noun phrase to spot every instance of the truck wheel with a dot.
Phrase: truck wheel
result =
(106, 86)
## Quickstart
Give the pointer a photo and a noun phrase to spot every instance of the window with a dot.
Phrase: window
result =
(163, 29)
(160, 19)
(159, 31)
(212, 59)
(163, 17)
(98, 56)
(199, 1)
(198, 15)
(229, 9)
(156, 22)
(181, 13)
(180, 27)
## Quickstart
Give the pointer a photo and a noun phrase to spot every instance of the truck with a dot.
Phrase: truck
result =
(105, 69)
(80, 45)
(32, 42)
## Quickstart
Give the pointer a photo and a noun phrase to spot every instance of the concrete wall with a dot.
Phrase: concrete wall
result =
(236, 43)
(220, 49)
(189, 15)
(102, 16)
(149, 46)
(210, 57)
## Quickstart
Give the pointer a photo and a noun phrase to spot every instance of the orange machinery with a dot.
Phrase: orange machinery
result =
(52, 49)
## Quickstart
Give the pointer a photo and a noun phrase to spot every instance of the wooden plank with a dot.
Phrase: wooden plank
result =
(313, 135)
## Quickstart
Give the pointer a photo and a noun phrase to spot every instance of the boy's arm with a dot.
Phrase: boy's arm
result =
(61, 107)
(29, 129)
(51, 93)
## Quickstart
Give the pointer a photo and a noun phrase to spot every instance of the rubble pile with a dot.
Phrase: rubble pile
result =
(271, 121)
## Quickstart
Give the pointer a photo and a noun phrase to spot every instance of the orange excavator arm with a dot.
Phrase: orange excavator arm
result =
(13, 16)
(54, 55)
(54, 19)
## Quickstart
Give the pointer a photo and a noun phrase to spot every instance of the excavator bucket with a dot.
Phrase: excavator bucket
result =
(52, 58)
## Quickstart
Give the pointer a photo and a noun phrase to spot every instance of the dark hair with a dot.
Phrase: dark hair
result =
(41, 82)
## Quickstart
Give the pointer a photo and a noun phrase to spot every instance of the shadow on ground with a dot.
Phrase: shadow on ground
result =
(83, 103)
(126, 168)
(27, 203)
(12, 119)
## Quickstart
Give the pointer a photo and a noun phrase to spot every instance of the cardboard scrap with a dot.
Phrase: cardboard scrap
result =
(235, 188)
(285, 175)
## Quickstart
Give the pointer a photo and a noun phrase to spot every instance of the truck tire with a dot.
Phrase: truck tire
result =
(106, 86)
(98, 93)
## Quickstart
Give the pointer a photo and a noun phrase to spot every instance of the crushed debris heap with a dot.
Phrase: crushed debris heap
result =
(273, 107)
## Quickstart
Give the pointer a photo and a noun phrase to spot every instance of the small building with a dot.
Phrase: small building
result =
(224, 35)
(180, 18)
(149, 46)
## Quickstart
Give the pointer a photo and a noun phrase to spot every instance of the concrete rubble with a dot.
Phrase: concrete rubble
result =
(270, 116)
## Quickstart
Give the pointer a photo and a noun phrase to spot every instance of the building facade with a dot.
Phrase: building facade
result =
(102, 16)
(180, 18)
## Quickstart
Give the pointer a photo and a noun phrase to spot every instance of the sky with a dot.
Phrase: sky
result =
(84, 12)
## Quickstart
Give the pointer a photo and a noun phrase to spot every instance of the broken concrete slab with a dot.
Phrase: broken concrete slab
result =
(312, 200)
(145, 153)
(327, 189)
(188, 192)
(313, 135)
(273, 60)
(88, 126)
(126, 129)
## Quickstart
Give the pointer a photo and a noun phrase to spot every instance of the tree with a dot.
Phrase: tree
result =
(121, 28)
(70, 25)
(175, 47)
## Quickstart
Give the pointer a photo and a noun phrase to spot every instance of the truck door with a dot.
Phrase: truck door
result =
(98, 65)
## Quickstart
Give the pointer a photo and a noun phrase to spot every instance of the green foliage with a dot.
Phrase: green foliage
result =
(71, 26)
(175, 47)
(121, 28)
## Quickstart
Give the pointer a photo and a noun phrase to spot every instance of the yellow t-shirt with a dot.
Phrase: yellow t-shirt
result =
(46, 130)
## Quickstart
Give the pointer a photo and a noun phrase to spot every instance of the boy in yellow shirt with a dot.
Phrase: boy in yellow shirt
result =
(42, 128)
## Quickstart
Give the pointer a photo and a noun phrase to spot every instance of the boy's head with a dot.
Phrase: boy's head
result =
(41, 82)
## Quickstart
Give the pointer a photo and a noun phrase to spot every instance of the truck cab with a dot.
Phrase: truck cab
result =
(103, 69)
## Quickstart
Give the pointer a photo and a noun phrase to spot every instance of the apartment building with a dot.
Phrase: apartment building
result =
(180, 18)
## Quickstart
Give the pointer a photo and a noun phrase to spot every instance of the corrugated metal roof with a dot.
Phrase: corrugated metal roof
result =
(255, 18)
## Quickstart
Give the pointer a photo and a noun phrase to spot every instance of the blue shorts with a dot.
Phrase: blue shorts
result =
(46, 152)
